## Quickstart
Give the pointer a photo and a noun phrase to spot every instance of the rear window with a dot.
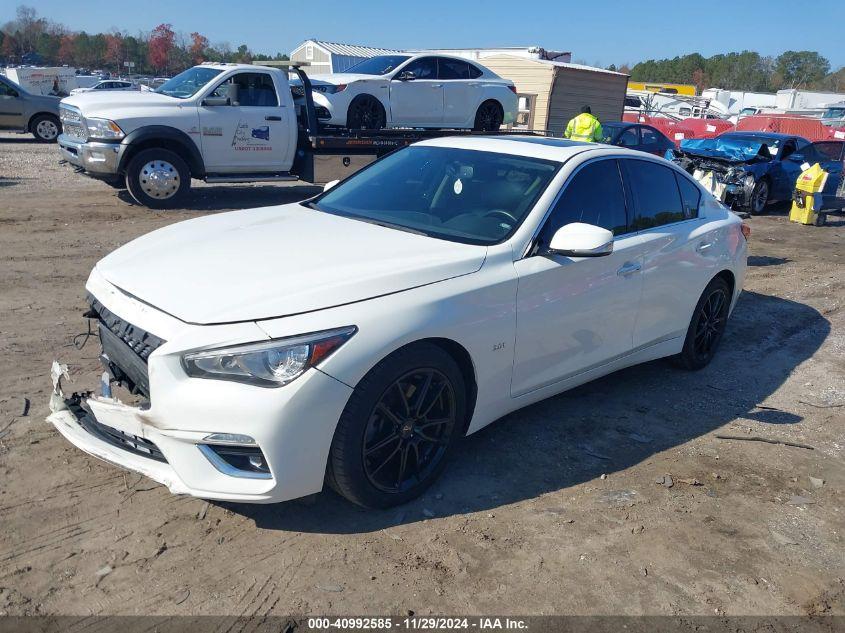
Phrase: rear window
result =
(690, 196)
(657, 199)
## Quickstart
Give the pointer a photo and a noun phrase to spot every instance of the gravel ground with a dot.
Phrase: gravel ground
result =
(554, 509)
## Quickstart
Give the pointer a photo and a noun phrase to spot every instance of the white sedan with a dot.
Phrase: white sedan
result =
(355, 337)
(111, 84)
(417, 91)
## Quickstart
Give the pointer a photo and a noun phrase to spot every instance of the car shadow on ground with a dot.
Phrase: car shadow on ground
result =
(228, 197)
(599, 428)
(25, 138)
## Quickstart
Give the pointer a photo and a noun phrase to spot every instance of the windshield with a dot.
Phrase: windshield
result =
(454, 194)
(834, 113)
(609, 130)
(187, 84)
(379, 65)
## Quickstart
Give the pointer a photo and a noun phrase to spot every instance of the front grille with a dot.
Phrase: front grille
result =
(126, 348)
(127, 442)
(73, 124)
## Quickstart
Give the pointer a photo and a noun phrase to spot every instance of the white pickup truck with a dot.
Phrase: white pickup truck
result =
(218, 123)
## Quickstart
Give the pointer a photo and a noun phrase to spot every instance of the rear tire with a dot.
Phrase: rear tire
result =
(158, 178)
(707, 326)
(366, 113)
(398, 428)
(489, 117)
(45, 128)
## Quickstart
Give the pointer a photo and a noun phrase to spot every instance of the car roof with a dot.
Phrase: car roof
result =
(619, 124)
(543, 147)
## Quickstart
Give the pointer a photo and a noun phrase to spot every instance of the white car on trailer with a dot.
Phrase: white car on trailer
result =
(415, 91)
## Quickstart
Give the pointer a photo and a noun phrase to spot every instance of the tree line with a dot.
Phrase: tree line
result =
(747, 70)
(30, 39)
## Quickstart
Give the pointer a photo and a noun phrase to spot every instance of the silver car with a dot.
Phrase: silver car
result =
(25, 112)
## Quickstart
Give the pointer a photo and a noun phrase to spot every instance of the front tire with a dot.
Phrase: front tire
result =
(489, 117)
(707, 326)
(366, 113)
(158, 178)
(398, 428)
(759, 197)
(45, 128)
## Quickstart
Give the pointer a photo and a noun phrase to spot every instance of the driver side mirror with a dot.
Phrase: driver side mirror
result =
(581, 240)
(406, 76)
(229, 97)
(796, 157)
(329, 185)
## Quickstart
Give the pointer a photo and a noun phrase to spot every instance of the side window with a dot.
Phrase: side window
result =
(423, 68)
(649, 136)
(690, 196)
(593, 196)
(474, 71)
(628, 138)
(452, 69)
(654, 189)
(7, 91)
(255, 90)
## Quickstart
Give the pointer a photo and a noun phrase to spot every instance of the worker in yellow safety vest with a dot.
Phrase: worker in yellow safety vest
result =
(584, 127)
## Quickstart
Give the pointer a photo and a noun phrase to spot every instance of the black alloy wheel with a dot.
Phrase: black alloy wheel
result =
(399, 427)
(489, 117)
(707, 326)
(366, 113)
(409, 430)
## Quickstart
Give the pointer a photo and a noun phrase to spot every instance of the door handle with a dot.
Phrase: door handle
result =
(272, 118)
(703, 246)
(629, 268)
(436, 85)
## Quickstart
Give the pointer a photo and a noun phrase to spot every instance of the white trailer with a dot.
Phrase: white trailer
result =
(792, 99)
(56, 81)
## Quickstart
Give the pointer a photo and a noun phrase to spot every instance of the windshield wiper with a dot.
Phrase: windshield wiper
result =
(389, 225)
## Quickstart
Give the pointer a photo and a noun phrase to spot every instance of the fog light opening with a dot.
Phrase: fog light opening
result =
(237, 461)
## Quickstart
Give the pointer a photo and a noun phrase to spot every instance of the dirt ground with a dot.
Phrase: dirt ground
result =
(554, 509)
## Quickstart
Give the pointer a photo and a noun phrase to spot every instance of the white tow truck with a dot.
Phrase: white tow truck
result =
(221, 123)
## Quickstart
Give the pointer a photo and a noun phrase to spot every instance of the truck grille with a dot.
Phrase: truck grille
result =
(73, 124)
(126, 348)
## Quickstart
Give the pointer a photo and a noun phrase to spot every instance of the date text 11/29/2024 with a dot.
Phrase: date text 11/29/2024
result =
(417, 623)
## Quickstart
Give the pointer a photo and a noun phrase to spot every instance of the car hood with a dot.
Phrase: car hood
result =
(341, 78)
(277, 261)
(103, 102)
(726, 149)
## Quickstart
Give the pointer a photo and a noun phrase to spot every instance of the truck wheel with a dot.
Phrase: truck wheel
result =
(489, 117)
(759, 197)
(158, 178)
(45, 128)
(366, 113)
(399, 427)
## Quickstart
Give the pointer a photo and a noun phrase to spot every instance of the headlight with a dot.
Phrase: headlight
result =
(329, 89)
(749, 180)
(103, 128)
(269, 363)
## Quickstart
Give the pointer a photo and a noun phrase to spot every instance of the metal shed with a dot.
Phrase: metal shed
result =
(552, 92)
(331, 57)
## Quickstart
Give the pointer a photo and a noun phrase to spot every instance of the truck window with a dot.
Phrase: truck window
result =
(186, 84)
(254, 90)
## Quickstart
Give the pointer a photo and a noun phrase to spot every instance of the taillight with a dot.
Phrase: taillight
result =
(512, 88)
(746, 230)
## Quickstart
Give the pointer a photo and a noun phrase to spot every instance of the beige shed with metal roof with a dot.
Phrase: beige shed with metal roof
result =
(553, 92)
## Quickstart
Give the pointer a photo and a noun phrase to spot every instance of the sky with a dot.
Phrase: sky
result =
(597, 32)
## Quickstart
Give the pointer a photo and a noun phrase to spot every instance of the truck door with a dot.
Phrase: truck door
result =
(249, 133)
(11, 107)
